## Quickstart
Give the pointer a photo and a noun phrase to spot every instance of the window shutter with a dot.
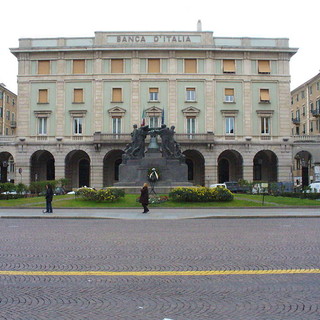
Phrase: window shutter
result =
(264, 95)
(78, 66)
(229, 66)
(44, 67)
(116, 95)
(229, 92)
(154, 65)
(78, 95)
(153, 90)
(43, 96)
(117, 66)
(190, 65)
(264, 66)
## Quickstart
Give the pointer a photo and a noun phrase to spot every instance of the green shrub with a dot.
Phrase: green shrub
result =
(301, 195)
(37, 187)
(200, 194)
(103, 195)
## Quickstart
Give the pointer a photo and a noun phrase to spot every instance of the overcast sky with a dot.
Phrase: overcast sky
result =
(298, 21)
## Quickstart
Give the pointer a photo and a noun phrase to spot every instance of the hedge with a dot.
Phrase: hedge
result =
(103, 195)
(200, 194)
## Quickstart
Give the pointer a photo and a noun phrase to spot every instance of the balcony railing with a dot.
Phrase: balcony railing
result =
(310, 138)
(316, 112)
(295, 120)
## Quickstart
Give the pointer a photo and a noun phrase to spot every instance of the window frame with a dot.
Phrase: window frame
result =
(114, 67)
(187, 67)
(153, 95)
(265, 125)
(229, 100)
(113, 95)
(77, 128)
(264, 67)
(74, 66)
(42, 129)
(75, 90)
(46, 100)
(151, 65)
(230, 122)
(191, 97)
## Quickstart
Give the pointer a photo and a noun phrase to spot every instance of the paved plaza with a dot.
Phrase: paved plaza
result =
(153, 269)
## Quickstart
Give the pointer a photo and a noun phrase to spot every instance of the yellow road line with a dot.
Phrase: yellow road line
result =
(160, 273)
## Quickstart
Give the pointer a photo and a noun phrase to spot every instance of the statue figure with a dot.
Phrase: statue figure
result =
(136, 149)
(166, 136)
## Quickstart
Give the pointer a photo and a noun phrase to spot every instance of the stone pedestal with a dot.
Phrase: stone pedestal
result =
(134, 172)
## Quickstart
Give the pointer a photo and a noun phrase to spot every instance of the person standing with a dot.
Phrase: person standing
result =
(144, 198)
(49, 197)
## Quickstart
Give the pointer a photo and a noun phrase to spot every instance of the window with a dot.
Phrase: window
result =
(229, 125)
(1, 112)
(44, 67)
(42, 125)
(116, 94)
(77, 95)
(303, 110)
(77, 126)
(7, 131)
(297, 131)
(265, 125)
(311, 106)
(154, 122)
(264, 67)
(228, 95)
(310, 89)
(298, 114)
(302, 94)
(153, 94)
(154, 65)
(43, 96)
(190, 65)
(13, 102)
(8, 115)
(13, 117)
(264, 96)
(79, 66)
(116, 65)
(191, 125)
(116, 125)
(318, 85)
(229, 66)
(190, 94)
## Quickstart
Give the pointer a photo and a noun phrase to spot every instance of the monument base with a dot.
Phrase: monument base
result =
(134, 173)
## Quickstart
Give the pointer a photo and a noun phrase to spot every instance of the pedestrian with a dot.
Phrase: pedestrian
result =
(144, 198)
(49, 197)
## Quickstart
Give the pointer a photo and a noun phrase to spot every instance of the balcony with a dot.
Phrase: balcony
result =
(316, 113)
(295, 121)
(13, 124)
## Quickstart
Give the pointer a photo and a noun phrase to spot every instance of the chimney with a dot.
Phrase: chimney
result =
(199, 26)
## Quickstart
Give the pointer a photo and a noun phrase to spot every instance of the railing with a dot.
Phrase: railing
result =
(311, 138)
(7, 139)
(316, 112)
(295, 120)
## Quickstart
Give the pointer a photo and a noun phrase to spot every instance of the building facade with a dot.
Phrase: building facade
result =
(228, 98)
(8, 124)
(305, 128)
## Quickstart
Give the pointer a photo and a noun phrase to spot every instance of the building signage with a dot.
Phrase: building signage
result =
(164, 38)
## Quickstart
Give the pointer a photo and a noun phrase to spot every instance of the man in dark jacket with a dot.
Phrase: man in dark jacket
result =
(49, 197)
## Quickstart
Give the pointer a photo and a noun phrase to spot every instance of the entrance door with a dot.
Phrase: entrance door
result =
(305, 176)
(223, 170)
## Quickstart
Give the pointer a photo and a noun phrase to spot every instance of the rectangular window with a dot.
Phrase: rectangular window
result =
(78, 95)
(230, 125)
(264, 96)
(116, 125)
(43, 96)
(154, 122)
(153, 94)
(153, 65)
(42, 125)
(44, 67)
(190, 65)
(190, 94)
(310, 89)
(77, 125)
(1, 112)
(13, 117)
(265, 125)
(229, 66)
(8, 115)
(302, 94)
(191, 125)
(79, 66)
(264, 66)
(318, 85)
(229, 95)
(116, 94)
(116, 65)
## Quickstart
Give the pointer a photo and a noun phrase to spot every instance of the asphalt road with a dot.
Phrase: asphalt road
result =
(126, 269)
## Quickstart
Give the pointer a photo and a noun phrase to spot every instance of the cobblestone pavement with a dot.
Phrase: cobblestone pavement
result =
(179, 245)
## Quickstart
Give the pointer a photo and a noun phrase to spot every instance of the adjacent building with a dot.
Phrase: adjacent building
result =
(228, 98)
(8, 124)
(305, 129)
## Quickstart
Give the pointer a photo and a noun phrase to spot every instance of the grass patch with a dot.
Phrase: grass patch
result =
(129, 201)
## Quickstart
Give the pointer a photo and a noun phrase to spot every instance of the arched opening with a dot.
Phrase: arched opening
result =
(111, 163)
(77, 169)
(42, 166)
(195, 163)
(6, 167)
(230, 166)
(265, 166)
(302, 168)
